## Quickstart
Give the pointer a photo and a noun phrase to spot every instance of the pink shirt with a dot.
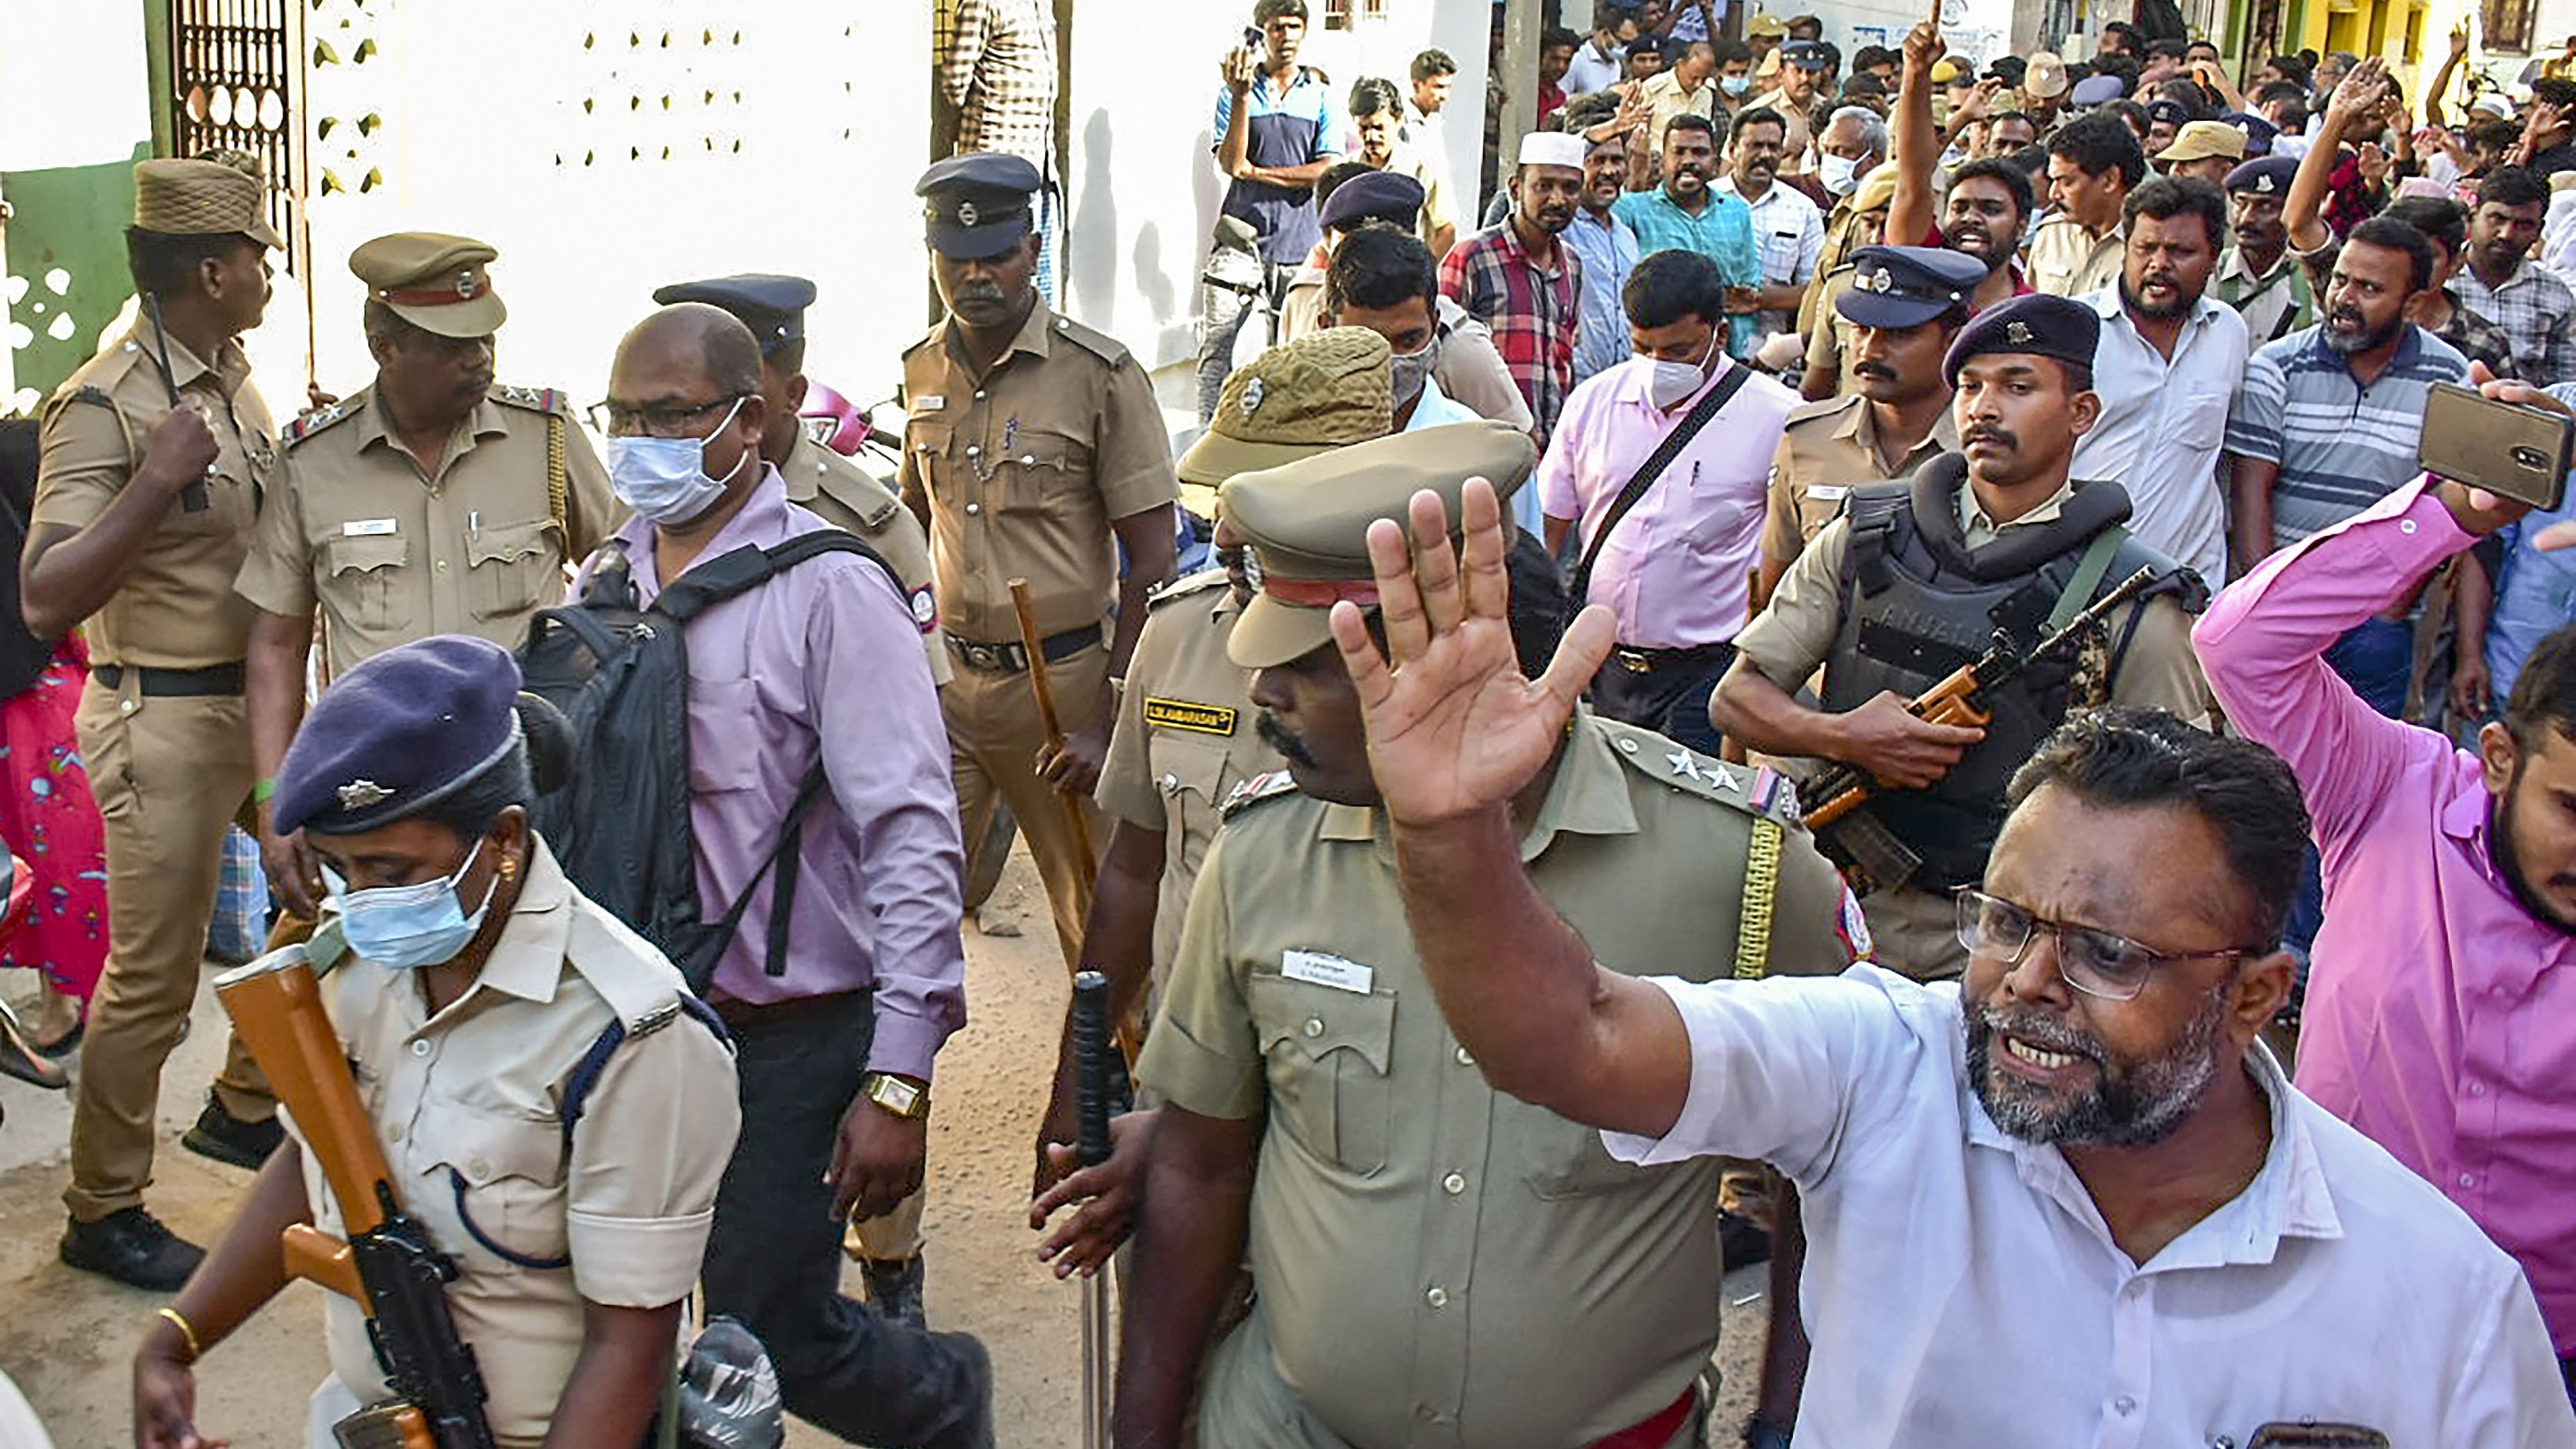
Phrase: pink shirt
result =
(2441, 1017)
(1676, 569)
(824, 661)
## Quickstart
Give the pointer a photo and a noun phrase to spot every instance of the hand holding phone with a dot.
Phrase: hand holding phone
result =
(2513, 449)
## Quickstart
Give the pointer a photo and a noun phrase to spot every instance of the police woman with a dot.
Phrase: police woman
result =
(477, 980)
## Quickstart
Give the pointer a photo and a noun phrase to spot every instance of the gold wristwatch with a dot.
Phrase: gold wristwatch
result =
(900, 1095)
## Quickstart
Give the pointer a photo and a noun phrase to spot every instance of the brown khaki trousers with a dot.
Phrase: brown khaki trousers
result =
(170, 774)
(993, 737)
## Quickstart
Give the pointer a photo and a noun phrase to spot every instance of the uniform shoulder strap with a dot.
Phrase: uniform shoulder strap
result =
(1099, 344)
(1269, 785)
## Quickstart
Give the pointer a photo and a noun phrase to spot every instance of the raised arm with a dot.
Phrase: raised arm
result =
(2440, 85)
(2303, 211)
(1915, 142)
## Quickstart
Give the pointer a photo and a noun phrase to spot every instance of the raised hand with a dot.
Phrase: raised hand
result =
(1453, 727)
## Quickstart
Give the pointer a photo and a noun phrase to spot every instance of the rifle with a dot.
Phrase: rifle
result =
(389, 1264)
(1960, 699)
(192, 499)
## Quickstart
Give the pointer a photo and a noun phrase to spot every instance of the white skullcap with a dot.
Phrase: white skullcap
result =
(1553, 148)
(2494, 105)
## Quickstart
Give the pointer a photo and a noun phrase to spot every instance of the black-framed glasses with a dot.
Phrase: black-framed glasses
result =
(2097, 963)
(617, 420)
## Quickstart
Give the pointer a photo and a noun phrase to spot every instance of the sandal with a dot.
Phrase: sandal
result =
(20, 1060)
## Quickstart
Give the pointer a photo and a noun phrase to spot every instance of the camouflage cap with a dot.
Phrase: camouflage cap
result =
(1325, 390)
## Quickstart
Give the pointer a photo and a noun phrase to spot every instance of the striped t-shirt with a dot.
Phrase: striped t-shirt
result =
(2341, 446)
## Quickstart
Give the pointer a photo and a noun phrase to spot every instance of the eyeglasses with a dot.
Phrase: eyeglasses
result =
(2097, 963)
(617, 420)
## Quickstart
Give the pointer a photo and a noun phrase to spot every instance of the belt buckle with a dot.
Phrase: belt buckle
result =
(989, 658)
(1635, 661)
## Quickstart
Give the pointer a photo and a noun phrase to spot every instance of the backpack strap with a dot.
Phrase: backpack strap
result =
(1643, 479)
(2087, 577)
(729, 574)
(786, 857)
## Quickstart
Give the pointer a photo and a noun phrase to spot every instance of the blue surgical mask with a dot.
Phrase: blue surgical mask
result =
(411, 926)
(1736, 85)
(665, 479)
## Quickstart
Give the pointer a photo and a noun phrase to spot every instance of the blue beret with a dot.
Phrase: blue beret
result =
(978, 203)
(1384, 195)
(399, 733)
(1906, 286)
(773, 307)
(2097, 90)
(2038, 323)
(2165, 109)
(2264, 176)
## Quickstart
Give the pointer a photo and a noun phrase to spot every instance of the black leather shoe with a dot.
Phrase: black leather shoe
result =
(133, 1248)
(894, 1288)
(230, 1140)
(1741, 1241)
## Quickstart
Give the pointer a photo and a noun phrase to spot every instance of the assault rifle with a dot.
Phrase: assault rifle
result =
(389, 1265)
(1829, 797)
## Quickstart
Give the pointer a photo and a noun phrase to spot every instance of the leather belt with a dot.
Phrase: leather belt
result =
(1013, 657)
(1638, 660)
(214, 679)
(1655, 1432)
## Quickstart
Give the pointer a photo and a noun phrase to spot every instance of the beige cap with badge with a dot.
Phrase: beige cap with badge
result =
(204, 196)
(434, 281)
(1327, 389)
(1306, 524)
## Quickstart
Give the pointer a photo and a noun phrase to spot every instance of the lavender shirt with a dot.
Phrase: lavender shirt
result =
(829, 642)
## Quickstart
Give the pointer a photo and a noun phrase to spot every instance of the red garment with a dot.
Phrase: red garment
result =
(49, 820)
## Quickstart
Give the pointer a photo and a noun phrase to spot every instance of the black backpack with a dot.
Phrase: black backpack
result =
(620, 823)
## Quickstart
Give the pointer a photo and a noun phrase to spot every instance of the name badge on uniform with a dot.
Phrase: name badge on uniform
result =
(1185, 714)
(1829, 493)
(1322, 968)
(934, 402)
(367, 528)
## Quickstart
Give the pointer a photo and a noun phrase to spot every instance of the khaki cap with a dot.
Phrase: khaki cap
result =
(2045, 76)
(204, 197)
(1306, 525)
(1327, 389)
(2201, 140)
(1767, 26)
(1877, 190)
(433, 281)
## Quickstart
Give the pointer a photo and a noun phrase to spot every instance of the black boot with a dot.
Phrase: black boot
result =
(230, 1140)
(132, 1247)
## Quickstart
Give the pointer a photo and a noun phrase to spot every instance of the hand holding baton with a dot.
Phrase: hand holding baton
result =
(1047, 715)
(192, 499)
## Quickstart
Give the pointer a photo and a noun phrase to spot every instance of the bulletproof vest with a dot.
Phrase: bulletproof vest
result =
(1918, 604)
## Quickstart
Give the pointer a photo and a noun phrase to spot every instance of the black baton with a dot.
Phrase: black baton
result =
(1091, 1067)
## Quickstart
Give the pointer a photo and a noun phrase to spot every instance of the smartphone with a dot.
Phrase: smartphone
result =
(2508, 449)
(2308, 1435)
(1252, 37)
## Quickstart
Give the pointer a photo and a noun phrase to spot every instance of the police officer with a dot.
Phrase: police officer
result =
(1905, 305)
(1185, 737)
(429, 502)
(2259, 275)
(1031, 446)
(155, 454)
(575, 1204)
(818, 478)
(1996, 536)
(1428, 1256)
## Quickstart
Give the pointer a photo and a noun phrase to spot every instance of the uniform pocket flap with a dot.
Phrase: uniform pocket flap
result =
(1323, 1019)
(509, 543)
(1189, 763)
(357, 555)
(485, 1147)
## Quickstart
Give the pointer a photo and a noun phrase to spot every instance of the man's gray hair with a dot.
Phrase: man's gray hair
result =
(1872, 129)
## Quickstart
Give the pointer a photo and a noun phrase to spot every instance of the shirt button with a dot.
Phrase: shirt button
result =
(1453, 1184)
(479, 1169)
(2468, 1179)
(979, 394)
(125, 706)
(2477, 1089)
(974, 508)
(1171, 784)
(1464, 1059)
(420, 1048)
(1028, 460)
(1627, 747)
(394, 1133)
(1314, 1026)
(2125, 1405)
(442, 565)
(2406, 525)
(1437, 1297)
(974, 450)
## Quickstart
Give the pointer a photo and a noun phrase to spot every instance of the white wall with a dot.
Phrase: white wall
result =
(1976, 28)
(1144, 188)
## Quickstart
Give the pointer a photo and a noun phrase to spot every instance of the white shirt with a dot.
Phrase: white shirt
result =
(1436, 409)
(1593, 69)
(1962, 1291)
(1790, 231)
(2163, 424)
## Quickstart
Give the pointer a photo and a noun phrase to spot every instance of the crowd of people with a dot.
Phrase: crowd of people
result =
(1865, 672)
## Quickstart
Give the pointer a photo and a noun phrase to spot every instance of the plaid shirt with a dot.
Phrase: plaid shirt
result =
(2536, 310)
(999, 71)
(2478, 339)
(1532, 314)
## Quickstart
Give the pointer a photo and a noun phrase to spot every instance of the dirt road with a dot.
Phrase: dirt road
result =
(67, 1337)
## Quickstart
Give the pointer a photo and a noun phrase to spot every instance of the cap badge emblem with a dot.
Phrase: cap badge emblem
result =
(1252, 395)
(465, 285)
(1252, 577)
(2017, 333)
(2263, 185)
(967, 215)
(360, 794)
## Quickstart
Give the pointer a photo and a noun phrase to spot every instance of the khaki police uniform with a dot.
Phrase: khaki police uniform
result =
(539, 1218)
(2068, 261)
(391, 550)
(1916, 930)
(850, 500)
(1828, 447)
(161, 727)
(1184, 741)
(1429, 1255)
(1022, 471)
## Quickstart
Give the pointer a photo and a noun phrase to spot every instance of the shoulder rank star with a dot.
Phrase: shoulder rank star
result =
(1683, 764)
(360, 794)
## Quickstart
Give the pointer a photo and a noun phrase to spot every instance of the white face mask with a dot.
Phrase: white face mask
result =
(1674, 382)
(1840, 174)
(665, 479)
(1411, 370)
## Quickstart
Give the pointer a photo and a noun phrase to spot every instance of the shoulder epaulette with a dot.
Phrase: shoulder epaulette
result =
(93, 393)
(1759, 792)
(305, 427)
(1099, 344)
(1269, 785)
(874, 504)
(918, 343)
(535, 399)
(1186, 585)
(1821, 408)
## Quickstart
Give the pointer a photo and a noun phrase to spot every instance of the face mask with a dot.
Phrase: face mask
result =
(1840, 174)
(665, 479)
(1413, 369)
(1674, 382)
(408, 927)
(1736, 85)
